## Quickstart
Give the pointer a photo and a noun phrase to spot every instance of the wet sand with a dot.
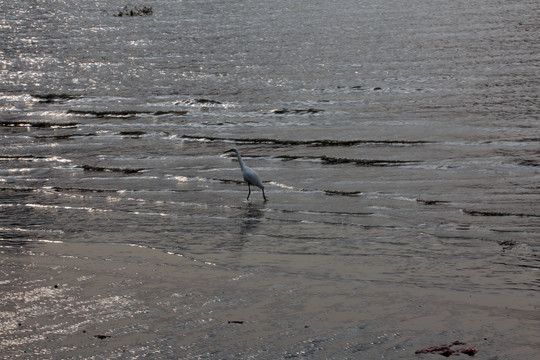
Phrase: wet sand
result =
(116, 301)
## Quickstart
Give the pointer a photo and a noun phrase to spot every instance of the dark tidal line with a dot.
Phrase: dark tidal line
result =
(496, 213)
(314, 143)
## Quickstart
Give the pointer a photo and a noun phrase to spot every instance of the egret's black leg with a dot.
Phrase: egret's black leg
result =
(249, 191)
(264, 196)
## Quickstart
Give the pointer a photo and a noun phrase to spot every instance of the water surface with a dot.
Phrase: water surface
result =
(398, 142)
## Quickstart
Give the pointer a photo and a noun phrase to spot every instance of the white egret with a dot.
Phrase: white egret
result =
(250, 176)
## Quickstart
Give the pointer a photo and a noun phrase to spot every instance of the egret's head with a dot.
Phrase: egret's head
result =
(234, 150)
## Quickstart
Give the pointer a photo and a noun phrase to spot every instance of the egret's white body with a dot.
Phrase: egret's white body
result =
(250, 175)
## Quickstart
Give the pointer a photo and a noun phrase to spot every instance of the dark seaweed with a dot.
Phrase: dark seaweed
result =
(132, 133)
(57, 137)
(102, 337)
(17, 189)
(207, 101)
(135, 10)
(431, 202)
(83, 190)
(363, 162)
(296, 111)
(54, 98)
(177, 113)
(107, 169)
(20, 157)
(496, 213)
(315, 143)
(37, 124)
(199, 101)
(533, 163)
(342, 193)
(230, 181)
(123, 113)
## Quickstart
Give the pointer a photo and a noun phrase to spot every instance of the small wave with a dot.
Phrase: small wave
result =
(65, 207)
(45, 241)
(34, 158)
(283, 186)
(33, 231)
(185, 179)
(326, 192)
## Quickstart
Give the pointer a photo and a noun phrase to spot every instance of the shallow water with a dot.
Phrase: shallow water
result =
(398, 142)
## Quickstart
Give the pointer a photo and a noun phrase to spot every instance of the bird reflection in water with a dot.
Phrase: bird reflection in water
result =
(253, 213)
(250, 216)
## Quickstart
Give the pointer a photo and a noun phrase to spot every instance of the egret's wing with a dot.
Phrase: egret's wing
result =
(252, 177)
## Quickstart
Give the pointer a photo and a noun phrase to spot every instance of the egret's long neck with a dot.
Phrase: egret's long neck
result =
(242, 165)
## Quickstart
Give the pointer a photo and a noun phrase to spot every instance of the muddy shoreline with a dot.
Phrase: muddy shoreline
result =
(112, 301)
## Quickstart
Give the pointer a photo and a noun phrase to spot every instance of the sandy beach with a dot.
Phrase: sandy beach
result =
(118, 301)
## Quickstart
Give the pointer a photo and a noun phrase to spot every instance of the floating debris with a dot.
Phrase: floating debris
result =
(135, 10)
(102, 337)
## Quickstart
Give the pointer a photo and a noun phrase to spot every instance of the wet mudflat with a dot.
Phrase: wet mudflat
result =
(126, 301)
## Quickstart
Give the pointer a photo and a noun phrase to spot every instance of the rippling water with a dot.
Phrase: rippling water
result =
(398, 135)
